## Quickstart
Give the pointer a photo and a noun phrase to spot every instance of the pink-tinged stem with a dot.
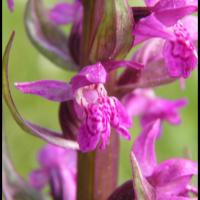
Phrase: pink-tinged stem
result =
(98, 170)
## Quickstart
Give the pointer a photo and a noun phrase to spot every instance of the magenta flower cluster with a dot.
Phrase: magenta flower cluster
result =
(166, 31)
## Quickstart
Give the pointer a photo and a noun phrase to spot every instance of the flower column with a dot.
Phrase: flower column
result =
(105, 25)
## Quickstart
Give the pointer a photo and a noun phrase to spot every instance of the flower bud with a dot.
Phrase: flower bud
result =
(107, 28)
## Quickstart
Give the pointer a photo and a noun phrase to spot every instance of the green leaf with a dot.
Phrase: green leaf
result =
(46, 134)
(14, 186)
(48, 38)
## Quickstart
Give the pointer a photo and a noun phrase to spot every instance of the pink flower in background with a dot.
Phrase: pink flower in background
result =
(165, 21)
(167, 180)
(10, 5)
(58, 170)
(145, 104)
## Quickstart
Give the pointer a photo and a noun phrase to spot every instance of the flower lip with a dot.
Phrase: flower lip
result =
(98, 113)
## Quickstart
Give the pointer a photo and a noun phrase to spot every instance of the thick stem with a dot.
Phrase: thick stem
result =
(98, 170)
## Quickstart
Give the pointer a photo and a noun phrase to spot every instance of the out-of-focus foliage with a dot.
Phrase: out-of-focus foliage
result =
(26, 64)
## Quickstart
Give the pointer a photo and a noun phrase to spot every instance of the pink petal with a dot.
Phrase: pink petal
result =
(150, 3)
(144, 147)
(176, 187)
(191, 24)
(124, 118)
(163, 109)
(169, 197)
(92, 74)
(86, 140)
(149, 27)
(51, 155)
(149, 52)
(38, 179)
(51, 90)
(170, 11)
(180, 57)
(68, 184)
(137, 102)
(123, 131)
(174, 170)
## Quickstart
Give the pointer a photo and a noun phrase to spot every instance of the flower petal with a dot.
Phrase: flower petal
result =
(150, 3)
(68, 185)
(87, 141)
(173, 169)
(92, 74)
(163, 109)
(124, 119)
(175, 198)
(48, 89)
(149, 27)
(180, 59)
(144, 147)
(46, 36)
(191, 24)
(173, 188)
(52, 155)
(65, 13)
(137, 102)
(46, 134)
(170, 11)
(38, 179)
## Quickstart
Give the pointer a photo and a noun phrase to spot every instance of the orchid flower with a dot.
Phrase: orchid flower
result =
(144, 103)
(96, 111)
(58, 169)
(167, 180)
(165, 22)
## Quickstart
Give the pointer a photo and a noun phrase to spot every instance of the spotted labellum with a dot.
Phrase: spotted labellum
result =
(118, 54)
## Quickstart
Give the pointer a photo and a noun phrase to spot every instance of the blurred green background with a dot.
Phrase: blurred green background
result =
(26, 64)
